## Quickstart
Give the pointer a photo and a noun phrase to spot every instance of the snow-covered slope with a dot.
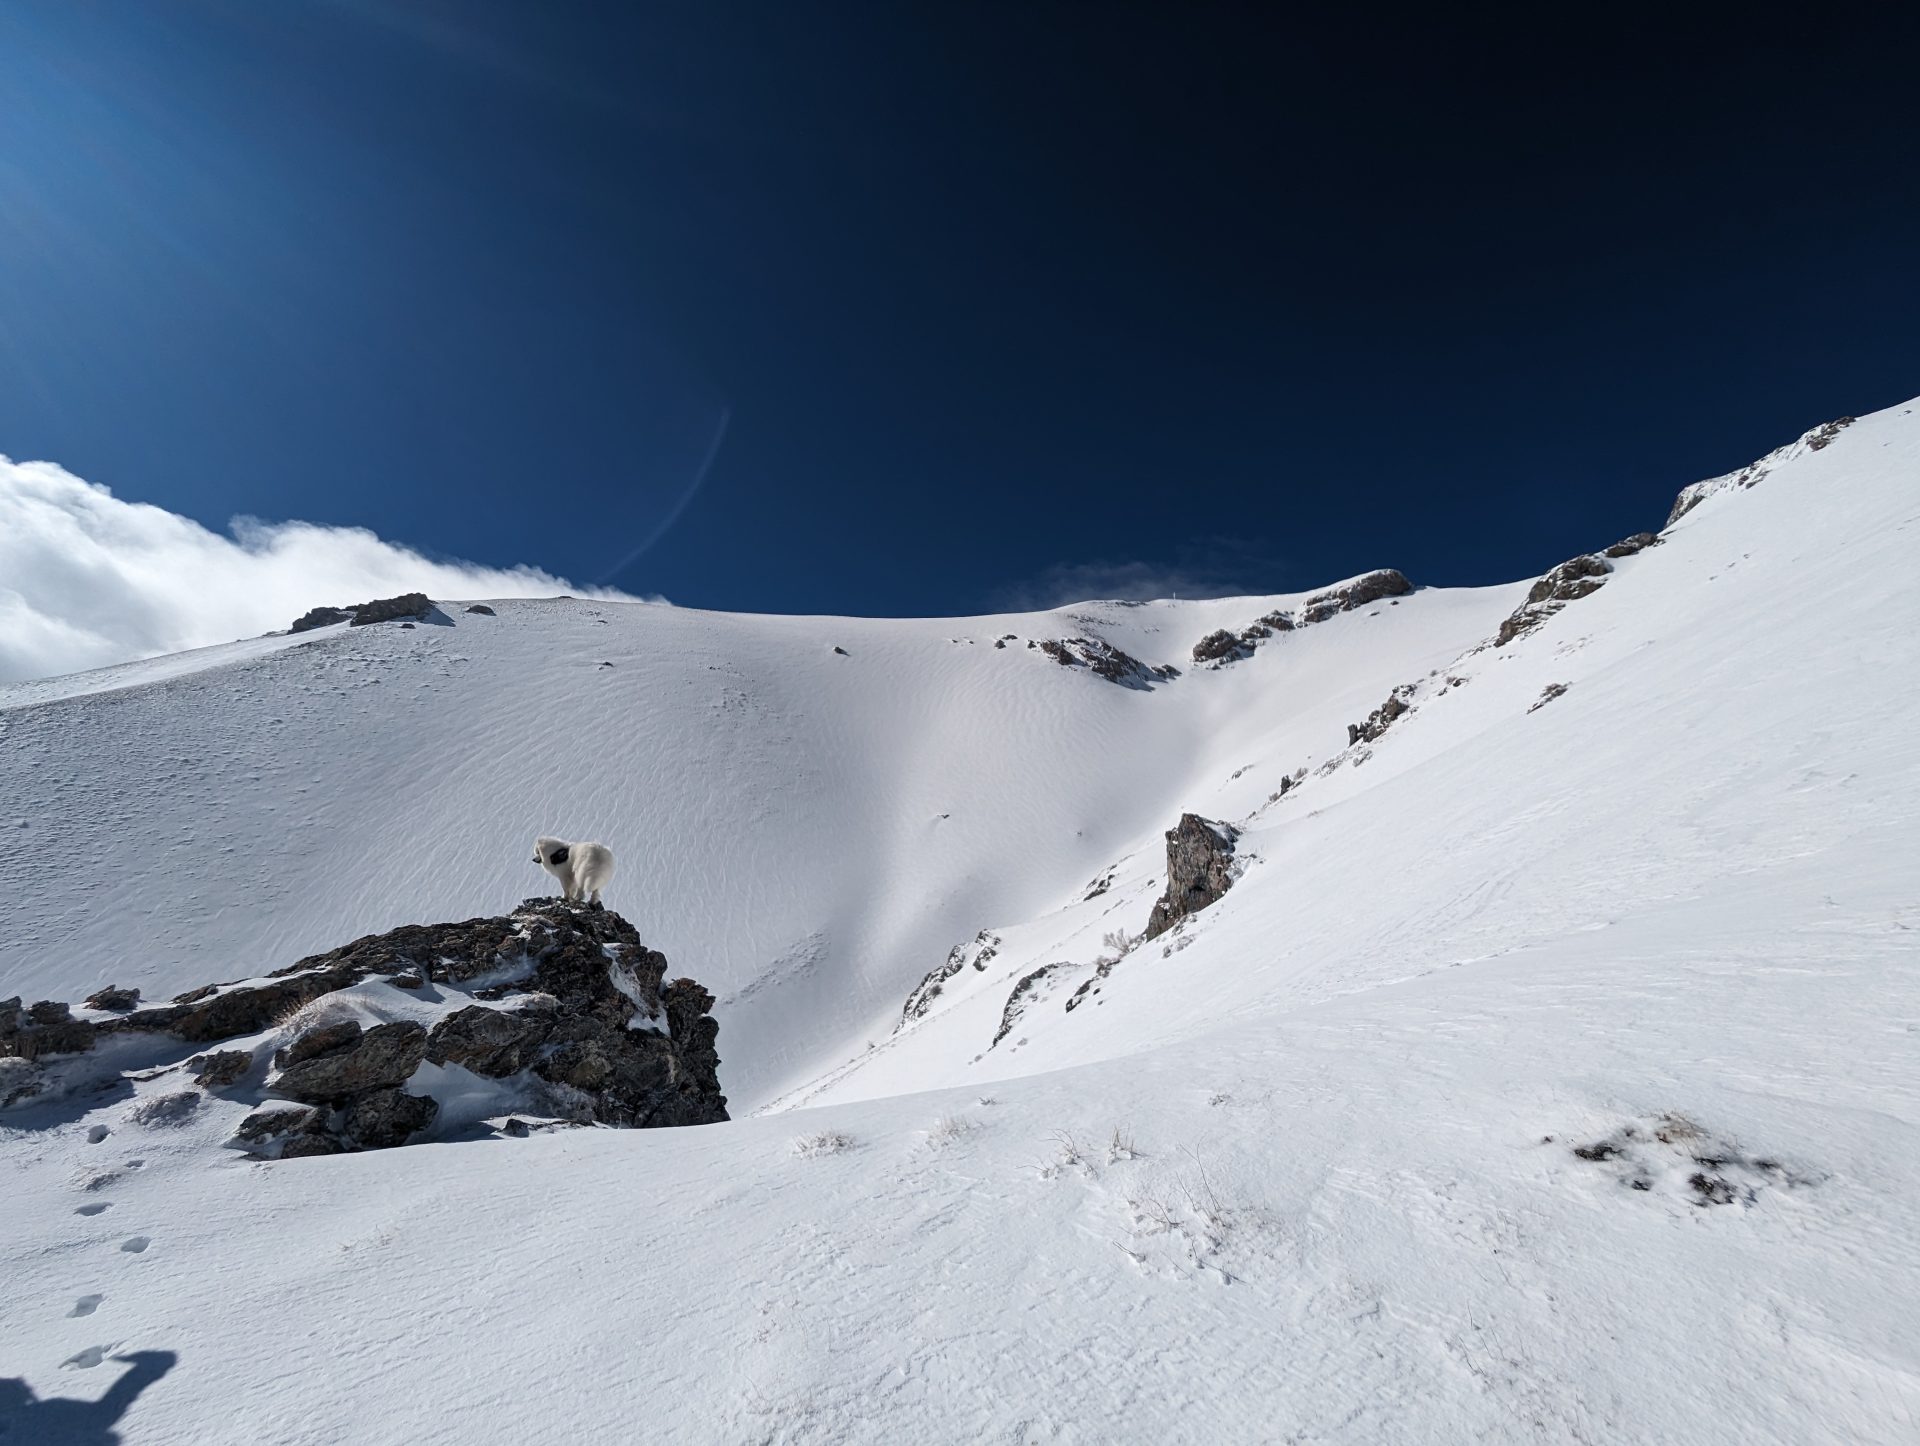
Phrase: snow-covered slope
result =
(1551, 1071)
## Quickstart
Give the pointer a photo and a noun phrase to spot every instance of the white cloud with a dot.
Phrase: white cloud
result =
(87, 579)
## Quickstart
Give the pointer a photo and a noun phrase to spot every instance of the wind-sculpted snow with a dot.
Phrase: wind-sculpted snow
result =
(1547, 1074)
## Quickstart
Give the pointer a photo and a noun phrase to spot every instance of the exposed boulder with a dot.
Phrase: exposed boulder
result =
(491, 1042)
(1199, 871)
(113, 999)
(1025, 994)
(365, 1060)
(220, 1069)
(481, 608)
(384, 1118)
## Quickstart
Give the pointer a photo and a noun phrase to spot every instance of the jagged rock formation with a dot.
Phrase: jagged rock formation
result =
(564, 1006)
(415, 605)
(1383, 717)
(1820, 438)
(1199, 871)
(977, 951)
(1106, 660)
(1571, 580)
(1222, 647)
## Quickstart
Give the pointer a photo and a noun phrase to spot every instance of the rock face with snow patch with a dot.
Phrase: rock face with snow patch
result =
(563, 1004)
(1199, 870)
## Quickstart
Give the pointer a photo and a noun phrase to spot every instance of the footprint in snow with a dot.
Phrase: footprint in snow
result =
(135, 1244)
(88, 1359)
(86, 1305)
(97, 1134)
(99, 1209)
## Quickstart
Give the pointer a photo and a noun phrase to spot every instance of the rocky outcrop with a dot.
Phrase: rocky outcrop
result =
(1025, 994)
(1628, 546)
(1221, 647)
(1382, 583)
(976, 952)
(481, 608)
(415, 605)
(1571, 580)
(563, 1003)
(319, 618)
(1106, 661)
(1199, 871)
(1383, 717)
(113, 999)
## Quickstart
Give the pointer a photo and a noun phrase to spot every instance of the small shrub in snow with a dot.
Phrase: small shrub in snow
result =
(165, 1111)
(827, 1142)
(948, 1128)
(1120, 1146)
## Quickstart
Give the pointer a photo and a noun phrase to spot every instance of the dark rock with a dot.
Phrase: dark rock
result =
(1383, 582)
(322, 1040)
(220, 1069)
(1218, 646)
(382, 1056)
(1022, 996)
(490, 1042)
(266, 1130)
(841, 651)
(1199, 871)
(977, 952)
(113, 999)
(42, 1029)
(481, 608)
(406, 625)
(319, 618)
(1571, 580)
(1822, 436)
(1381, 718)
(516, 1128)
(390, 609)
(1106, 661)
(1547, 695)
(19, 1080)
(575, 978)
(205, 991)
(385, 1118)
(305, 1146)
(1628, 546)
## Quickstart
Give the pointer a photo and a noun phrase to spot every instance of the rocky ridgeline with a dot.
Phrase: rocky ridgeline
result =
(1221, 647)
(563, 1006)
(1751, 475)
(1572, 580)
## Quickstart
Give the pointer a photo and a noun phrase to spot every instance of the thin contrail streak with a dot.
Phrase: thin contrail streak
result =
(699, 481)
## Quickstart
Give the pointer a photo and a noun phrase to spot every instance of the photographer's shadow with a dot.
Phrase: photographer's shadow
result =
(59, 1421)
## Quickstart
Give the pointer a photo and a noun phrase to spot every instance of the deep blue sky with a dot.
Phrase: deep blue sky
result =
(1173, 296)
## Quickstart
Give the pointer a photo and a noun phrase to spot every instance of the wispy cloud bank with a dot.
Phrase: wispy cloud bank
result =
(87, 579)
(1212, 567)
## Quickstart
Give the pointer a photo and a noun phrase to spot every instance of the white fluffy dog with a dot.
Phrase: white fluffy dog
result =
(583, 869)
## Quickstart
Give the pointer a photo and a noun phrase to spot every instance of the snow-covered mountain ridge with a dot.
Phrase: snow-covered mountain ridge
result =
(1548, 1071)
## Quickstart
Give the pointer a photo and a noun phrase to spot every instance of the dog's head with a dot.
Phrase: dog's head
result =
(550, 852)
